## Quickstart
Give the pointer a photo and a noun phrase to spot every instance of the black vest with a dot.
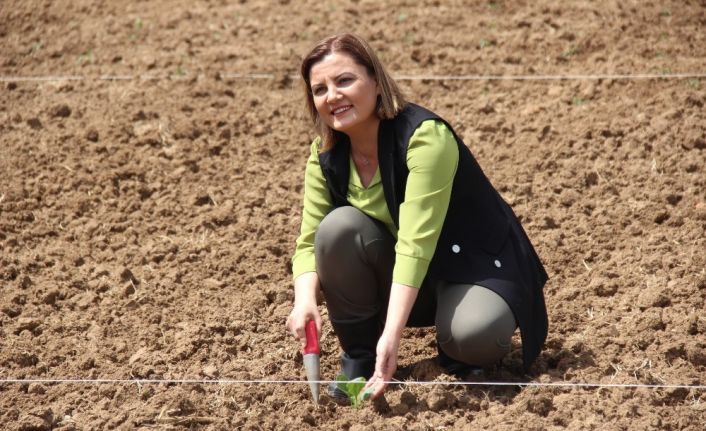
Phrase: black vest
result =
(481, 241)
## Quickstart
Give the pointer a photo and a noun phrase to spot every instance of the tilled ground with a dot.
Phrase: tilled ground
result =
(146, 223)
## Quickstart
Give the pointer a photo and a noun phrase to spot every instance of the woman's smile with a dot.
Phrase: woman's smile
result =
(341, 110)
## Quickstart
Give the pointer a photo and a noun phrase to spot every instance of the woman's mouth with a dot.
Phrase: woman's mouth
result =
(341, 110)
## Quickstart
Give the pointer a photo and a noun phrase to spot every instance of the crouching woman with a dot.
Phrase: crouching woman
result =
(401, 227)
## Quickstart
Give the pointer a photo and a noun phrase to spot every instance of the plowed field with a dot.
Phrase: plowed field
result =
(151, 169)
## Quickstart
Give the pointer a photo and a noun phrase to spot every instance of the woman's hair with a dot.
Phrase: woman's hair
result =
(390, 101)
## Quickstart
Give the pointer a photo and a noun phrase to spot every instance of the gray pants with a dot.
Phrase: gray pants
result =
(355, 257)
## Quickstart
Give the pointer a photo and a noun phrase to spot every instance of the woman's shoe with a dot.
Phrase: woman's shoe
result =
(456, 368)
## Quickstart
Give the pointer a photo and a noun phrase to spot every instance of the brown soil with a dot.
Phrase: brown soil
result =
(146, 225)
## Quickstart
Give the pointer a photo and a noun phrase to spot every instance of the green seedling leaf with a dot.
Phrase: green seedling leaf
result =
(86, 57)
(578, 101)
(484, 43)
(354, 389)
(366, 394)
(570, 52)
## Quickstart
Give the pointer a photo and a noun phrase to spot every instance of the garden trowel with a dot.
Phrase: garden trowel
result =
(311, 359)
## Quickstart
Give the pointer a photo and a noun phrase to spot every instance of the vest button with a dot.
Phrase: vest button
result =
(497, 263)
(455, 248)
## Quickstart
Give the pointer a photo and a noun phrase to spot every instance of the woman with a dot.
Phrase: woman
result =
(401, 227)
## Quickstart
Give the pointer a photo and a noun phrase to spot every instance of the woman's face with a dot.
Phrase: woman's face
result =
(345, 95)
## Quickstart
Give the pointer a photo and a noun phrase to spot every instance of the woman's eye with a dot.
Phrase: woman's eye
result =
(345, 81)
(318, 91)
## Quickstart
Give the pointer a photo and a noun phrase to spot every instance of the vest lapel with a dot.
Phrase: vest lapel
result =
(336, 169)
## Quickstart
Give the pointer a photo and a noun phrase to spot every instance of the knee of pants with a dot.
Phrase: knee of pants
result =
(472, 342)
(338, 228)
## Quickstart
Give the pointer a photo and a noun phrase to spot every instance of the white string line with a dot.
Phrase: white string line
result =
(265, 76)
(548, 77)
(394, 382)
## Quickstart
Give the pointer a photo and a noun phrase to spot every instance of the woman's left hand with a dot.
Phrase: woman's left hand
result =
(385, 363)
(402, 299)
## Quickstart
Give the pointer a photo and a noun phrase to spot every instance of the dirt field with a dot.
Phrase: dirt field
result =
(146, 224)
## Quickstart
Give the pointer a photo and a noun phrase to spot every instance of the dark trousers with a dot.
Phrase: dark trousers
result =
(355, 256)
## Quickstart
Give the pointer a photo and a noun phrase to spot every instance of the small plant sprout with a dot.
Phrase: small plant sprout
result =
(85, 57)
(137, 27)
(570, 52)
(484, 43)
(578, 101)
(354, 389)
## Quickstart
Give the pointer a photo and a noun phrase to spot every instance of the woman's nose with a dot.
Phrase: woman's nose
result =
(332, 94)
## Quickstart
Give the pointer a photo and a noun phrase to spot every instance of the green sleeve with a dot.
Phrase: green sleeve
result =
(432, 159)
(317, 203)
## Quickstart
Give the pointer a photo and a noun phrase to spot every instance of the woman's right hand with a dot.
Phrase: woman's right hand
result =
(305, 289)
(296, 322)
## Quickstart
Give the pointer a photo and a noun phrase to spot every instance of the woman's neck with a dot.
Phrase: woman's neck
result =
(364, 140)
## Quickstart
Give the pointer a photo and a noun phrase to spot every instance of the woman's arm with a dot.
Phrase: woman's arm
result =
(401, 301)
(432, 158)
(317, 203)
(306, 290)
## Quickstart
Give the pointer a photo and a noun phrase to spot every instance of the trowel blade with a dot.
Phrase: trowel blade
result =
(311, 365)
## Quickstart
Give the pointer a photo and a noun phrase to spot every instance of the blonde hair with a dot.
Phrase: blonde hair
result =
(390, 101)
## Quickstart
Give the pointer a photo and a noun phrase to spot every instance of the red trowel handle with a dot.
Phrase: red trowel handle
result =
(312, 338)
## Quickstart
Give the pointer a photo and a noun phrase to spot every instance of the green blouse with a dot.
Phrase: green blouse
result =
(432, 159)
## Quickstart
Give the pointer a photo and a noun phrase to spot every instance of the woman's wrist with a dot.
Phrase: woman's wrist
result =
(393, 329)
(306, 287)
(402, 299)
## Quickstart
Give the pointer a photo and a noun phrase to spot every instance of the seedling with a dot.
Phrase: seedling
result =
(354, 389)
(86, 57)
(484, 43)
(136, 28)
(570, 52)
(578, 101)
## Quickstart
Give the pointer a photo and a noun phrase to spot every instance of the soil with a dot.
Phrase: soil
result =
(147, 220)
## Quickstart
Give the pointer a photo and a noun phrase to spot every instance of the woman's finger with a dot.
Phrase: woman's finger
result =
(379, 385)
(382, 374)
